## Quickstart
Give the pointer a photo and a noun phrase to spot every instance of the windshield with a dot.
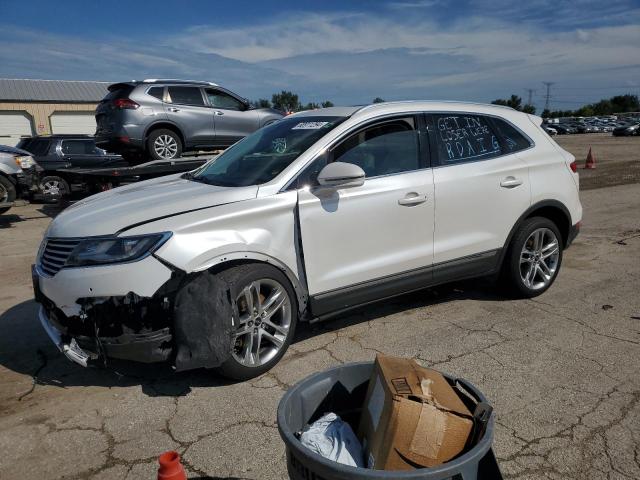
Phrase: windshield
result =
(261, 156)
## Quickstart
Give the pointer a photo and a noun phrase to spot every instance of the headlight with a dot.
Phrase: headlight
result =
(25, 162)
(101, 251)
(632, 128)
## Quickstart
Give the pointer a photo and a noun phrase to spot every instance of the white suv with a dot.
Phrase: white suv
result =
(320, 212)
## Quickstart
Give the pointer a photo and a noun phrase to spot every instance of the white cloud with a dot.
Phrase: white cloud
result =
(351, 57)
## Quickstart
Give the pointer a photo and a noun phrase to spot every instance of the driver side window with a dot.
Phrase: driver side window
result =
(219, 99)
(382, 149)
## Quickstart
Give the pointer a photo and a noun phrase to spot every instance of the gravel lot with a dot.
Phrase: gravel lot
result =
(561, 370)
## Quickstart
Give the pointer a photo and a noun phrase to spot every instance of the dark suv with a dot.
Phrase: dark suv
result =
(57, 153)
(163, 118)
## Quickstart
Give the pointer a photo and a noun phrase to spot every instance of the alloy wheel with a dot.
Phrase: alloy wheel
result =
(165, 146)
(263, 322)
(4, 194)
(52, 187)
(539, 259)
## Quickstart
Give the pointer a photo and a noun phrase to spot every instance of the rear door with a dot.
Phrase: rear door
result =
(481, 186)
(233, 121)
(372, 233)
(186, 107)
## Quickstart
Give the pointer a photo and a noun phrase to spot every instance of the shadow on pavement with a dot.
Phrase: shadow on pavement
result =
(51, 210)
(475, 289)
(26, 349)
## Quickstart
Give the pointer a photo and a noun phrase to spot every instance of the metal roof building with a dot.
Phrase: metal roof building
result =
(29, 107)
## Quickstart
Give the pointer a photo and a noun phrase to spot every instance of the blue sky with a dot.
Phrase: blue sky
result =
(345, 51)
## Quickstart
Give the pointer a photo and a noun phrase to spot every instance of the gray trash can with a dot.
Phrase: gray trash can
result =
(342, 390)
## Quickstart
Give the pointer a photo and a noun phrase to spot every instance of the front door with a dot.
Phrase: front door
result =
(368, 236)
(187, 109)
(233, 121)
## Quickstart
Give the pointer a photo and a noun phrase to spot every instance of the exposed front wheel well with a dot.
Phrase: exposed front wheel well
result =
(294, 283)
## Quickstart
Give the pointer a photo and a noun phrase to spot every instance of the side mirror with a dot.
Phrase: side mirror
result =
(340, 174)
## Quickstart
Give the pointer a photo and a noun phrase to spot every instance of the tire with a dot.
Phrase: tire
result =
(53, 187)
(530, 272)
(164, 144)
(269, 277)
(7, 193)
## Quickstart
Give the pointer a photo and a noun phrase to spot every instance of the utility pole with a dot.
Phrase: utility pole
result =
(531, 91)
(548, 95)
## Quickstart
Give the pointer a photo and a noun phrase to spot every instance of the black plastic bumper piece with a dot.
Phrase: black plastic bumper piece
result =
(573, 233)
(148, 347)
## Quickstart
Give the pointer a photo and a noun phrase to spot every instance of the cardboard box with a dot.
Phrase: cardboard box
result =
(412, 418)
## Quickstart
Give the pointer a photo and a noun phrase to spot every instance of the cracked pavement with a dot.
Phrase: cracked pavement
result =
(561, 371)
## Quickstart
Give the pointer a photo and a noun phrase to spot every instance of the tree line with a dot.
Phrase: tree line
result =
(609, 106)
(290, 102)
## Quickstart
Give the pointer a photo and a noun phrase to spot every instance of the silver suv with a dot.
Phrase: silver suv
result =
(163, 118)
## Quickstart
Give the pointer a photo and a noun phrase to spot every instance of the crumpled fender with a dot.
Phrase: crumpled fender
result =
(202, 323)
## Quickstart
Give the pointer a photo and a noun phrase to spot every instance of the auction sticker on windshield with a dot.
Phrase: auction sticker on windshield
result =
(309, 125)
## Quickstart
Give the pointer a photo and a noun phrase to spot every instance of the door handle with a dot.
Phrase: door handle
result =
(174, 109)
(412, 199)
(510, 182)
(218, 112)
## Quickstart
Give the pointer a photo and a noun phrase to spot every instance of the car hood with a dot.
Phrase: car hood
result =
(110, 212)
(13, 150)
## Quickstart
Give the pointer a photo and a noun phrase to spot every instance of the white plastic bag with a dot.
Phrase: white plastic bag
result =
(334, 439)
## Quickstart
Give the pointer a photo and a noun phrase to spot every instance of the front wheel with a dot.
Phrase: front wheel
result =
(53, 187)
(265, 313)
(534, 258)
(7, 193)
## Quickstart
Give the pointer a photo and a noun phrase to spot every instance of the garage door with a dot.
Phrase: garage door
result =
(13, 126)
(75, 123)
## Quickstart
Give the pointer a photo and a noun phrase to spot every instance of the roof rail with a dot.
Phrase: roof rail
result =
(372, 105)
(177, 80)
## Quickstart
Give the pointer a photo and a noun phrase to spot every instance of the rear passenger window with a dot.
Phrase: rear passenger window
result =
(185, 95)
(512, 140)
(156, 92)
(461, 137)
(78, 147)
(383, 149)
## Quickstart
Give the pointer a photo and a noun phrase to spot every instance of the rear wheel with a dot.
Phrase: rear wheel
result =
(265, 313)
(164, 145)
(7, 193)
(534, 258)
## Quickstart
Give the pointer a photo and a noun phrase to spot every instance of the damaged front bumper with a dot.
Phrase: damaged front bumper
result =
(85, 350)
(123, 327)
(70, 349)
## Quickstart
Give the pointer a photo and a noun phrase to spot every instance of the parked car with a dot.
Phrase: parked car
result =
(18, 176)
(550, 130)
(563, 129)
(626, 130)
(320, 212)
(57, 153)
(164, 118)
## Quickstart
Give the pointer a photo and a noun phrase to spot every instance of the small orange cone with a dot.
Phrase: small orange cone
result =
(591, 161)
(170, 467)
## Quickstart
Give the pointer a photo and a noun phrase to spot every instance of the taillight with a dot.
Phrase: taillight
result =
(573, 166)
(125, 104)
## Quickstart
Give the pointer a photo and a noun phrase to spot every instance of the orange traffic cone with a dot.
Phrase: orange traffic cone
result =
(591, 161)
(170, 467)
